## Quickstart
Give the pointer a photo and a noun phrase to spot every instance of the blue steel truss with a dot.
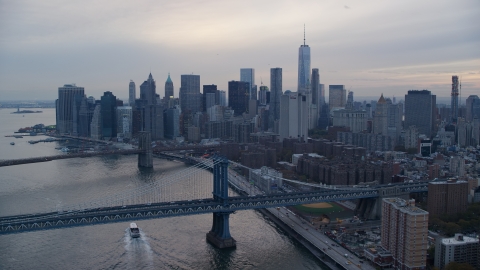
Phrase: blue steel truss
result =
(221, 204)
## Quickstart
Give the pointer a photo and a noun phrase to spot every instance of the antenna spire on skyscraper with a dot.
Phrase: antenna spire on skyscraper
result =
(303, 34)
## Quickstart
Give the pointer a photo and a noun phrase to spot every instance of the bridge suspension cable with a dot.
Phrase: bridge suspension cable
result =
(161, 190)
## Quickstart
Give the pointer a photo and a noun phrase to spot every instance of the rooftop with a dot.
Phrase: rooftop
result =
(446, 181)
(454, 241)
(406, 206)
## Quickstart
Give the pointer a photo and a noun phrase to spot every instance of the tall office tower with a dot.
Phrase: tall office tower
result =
(465, 133)
(457, 166)
(395, 116)
(168, 88)
(65, 107)
(473, 108)
(254, 93)
(373, 103)
(353, 119)
(238, 96)
(411, 137)
(96, 124)
(321, 94)
(85, 116)
(172, 120)
(293, 116)
(222, 98)
(324, 118)
(447, 197)
(91, 100)
(303, 67)
(190, 96)
(151, 110)
(262, 95)
(215, 113)
(454, 103)
(209, 89)
(316, 87)
(275, 94)
(349, 104)
(77, 105)
(148, 91)
(368, 109)
(248, 75)
(285, 107)
(404, 233)
(337, 97)
(380, 120)
(132, 95)
(108, 110)
(419, 111)
(124, 122)
(210, 100)
(312, 112)
(476, 130)
(459, 249)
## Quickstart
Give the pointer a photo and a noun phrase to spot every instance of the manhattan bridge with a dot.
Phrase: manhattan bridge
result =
(194, 191)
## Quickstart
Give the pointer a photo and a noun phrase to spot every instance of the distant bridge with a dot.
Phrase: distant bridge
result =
(12, 162)
(144, 151)
(159, 200)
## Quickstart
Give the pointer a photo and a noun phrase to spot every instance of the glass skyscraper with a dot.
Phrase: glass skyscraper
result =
(108, 113)
(248, 75)
(190, 97)
(337, 96)
(65, 106)
(238, 96)
(303, 67)
(131, 93)
(420, 107)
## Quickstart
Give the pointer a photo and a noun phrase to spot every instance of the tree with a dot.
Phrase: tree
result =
(317, 133)
(431, 251)
(458, 266)
(465, 225)
(452, 228)
(412, 151)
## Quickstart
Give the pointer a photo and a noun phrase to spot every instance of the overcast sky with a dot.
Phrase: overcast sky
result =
(372, 47)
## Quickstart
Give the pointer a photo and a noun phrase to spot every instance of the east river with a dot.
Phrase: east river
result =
(169, 243)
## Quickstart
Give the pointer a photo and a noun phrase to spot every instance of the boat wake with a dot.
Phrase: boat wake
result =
(138, 251)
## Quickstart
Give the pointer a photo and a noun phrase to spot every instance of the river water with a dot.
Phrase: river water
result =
(169, 243)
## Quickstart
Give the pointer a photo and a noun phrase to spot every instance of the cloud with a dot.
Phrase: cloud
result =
(102, 46)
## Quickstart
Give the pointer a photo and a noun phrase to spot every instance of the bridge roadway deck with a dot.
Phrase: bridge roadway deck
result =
(12, 162)
(14, 224)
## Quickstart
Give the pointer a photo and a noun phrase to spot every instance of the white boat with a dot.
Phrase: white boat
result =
(65, 149)
(134, 231)
(12, 143)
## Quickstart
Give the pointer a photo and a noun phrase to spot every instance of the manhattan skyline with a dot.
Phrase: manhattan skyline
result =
(371, 47)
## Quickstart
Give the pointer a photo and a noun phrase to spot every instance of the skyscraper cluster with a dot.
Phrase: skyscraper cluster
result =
(198, 110)
(204, 110)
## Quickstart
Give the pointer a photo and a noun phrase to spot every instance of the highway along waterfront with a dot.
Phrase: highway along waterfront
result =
(170, 243)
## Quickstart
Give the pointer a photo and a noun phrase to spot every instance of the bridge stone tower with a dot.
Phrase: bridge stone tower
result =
(145, 159)
(219, 235)
(371, 208)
